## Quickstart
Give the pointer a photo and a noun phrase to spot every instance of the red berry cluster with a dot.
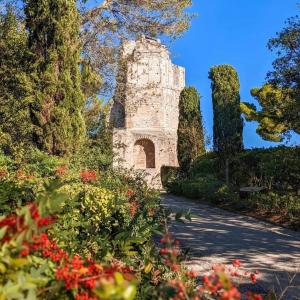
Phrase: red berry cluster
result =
(130, 193)
(15, 224)
(21, 175)
(214, 284)
(77, 274)
(88, 176)
(170, 252)
(3, 174)
(61, 170)
(253, 296)
(181, 290)
(134, 206)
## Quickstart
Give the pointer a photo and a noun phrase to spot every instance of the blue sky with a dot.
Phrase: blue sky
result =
(232, 32)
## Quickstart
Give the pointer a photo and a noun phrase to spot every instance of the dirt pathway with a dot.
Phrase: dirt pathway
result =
(218, 236)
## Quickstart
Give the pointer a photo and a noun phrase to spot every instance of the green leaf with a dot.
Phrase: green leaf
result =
(3, 232)
(119, 278)
(129, 293)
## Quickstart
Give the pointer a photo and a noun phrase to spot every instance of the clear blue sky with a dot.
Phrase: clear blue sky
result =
(232, 32)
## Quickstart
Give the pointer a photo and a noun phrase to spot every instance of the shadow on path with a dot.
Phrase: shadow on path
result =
(218, 236)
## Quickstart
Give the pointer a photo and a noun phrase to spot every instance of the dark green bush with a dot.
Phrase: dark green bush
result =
(275, 168)
(204, 165)
(168, 175)
(208, 188)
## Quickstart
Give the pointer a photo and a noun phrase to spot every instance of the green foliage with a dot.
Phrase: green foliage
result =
(190, 130)
(88, 218)
(93, 156)
(284, 205)
(21, 278)
(57, 100)
(228, 124)
(274, 168)
(15, 126)
(207, 188)
(280, 97)
(168, 175)
(99, 134)
(116, 215)
(205, 164)
(275, 117)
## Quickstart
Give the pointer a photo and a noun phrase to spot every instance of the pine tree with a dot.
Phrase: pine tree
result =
(228, 124)
(190, 130)
(279, 98)
(57, 103)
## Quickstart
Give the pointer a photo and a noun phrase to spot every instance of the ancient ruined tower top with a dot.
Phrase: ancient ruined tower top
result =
(145, 109)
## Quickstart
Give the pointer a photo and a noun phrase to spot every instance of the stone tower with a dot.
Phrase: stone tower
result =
(145, 108)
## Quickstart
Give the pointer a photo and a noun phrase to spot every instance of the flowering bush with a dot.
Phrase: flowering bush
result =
(24, 247)
(90, 236)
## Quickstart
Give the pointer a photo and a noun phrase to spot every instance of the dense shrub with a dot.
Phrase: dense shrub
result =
(275, 168)
(34, 266)
(204, 165)
(208, 188)
(168, 175)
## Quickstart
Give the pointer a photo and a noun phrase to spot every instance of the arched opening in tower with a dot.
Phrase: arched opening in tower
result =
(144, 154)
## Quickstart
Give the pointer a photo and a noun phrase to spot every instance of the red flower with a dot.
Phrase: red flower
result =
(88, 176)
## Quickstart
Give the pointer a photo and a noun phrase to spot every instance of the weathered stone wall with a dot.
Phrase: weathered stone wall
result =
(145, 110)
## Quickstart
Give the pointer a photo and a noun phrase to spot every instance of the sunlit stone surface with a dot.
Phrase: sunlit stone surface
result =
(145, 108)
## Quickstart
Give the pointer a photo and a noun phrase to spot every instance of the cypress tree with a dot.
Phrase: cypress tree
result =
(228, 124)
(57, 101)
(15, 85)
(190, 130)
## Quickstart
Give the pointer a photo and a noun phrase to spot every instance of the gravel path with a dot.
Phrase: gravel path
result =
(218, 236)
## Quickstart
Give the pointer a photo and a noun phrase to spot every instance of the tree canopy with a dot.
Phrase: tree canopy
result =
(105, 25)
(279, 98)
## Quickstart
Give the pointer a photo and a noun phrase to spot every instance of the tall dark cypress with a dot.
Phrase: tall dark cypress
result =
(190, 129)
(228, 123)
(57, 101)
(15, 125)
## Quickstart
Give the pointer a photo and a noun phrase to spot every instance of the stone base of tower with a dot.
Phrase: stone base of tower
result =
(145, 150)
